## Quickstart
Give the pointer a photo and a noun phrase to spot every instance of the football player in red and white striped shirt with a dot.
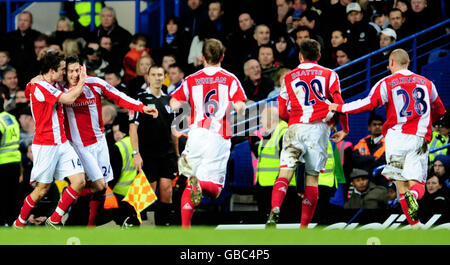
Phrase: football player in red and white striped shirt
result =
(308, 89)
(54, 157)
(412, 105)
(211, 92)
(84, 128)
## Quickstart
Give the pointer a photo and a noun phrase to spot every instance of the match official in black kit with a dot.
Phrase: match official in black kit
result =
(153, 144)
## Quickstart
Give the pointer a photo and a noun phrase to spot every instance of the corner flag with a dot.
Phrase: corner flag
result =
(140, 194)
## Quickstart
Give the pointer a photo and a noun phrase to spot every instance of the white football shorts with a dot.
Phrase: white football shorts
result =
(205, 156)
(54, 162)
(306, 143)
(95, 160)
(406, 157)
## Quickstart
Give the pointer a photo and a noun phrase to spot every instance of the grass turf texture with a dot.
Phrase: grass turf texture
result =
(210, 236)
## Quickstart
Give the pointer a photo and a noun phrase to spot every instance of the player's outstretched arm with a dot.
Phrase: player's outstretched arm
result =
(70, 97)
(239, 107)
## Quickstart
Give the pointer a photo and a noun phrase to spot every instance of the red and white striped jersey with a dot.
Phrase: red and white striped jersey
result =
(412, 103)
(309, 89)
(47, 113)
(83, 119)
(210, 93)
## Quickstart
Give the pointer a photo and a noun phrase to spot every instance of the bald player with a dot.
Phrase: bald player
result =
(412, 105)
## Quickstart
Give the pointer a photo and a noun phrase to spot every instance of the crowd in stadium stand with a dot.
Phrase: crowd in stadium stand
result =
(259, 53)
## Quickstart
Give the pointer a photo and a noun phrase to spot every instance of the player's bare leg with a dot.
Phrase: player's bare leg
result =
(164, 213)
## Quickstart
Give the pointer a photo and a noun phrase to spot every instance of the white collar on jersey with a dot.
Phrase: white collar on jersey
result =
(150, 92)
(306, 65)
(211, 70)
(404, 72)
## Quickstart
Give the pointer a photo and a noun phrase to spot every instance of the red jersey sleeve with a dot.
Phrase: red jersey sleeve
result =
(237, 92)
(182, 92)
(376, 98)
(119, 98)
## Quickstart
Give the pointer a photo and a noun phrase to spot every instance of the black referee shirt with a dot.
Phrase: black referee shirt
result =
(154, 134)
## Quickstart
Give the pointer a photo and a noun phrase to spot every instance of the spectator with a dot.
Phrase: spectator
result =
(369, 152)
(262, 37)
(95, 64)
(27, 127)
(20, 45)
(64, 30)
(334, 15)
(4, 62)
(360, 34)
(310, 19)
(106, 43)
(343, 55)
(421, 16)
(120, 37)
(441, 168)
(379, 21)
(279, 82)
(71, 47)
(338, 37)
(11, 85)
(284, 11)
(403, 5)
(393, 202)
(176, 76)
(242, 42)
(194, 18)
(255, 85)
(284, 51)
(269, 68)
(366, 195)
(139, 83)
(115, 80)
(435, 199)
(387, 37)
(138, 48)
(167, 60)
(175, 40)
(215, 22)
(397, 22)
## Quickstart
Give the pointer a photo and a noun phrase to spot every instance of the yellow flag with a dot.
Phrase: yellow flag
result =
(140, 194)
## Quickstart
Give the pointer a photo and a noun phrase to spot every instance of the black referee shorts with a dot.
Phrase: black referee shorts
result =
(160, 167)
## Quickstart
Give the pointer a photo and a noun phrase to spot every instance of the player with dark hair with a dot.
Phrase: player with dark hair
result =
(309, 89)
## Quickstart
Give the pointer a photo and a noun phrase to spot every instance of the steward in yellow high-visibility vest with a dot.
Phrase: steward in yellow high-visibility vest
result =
(129, 172)
(437, 140)
(328, 178)
(10, 165)
(83, 10)
(268, 167)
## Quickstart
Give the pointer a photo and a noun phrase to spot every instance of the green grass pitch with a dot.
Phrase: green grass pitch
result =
(211, 236)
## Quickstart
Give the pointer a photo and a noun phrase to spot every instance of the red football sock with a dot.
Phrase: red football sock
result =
(404, 206)
(28, 205)
(210, 189)
(187, 207)
(67, 198)
(309, 204)
(279, 191)
(418, 190)
(94, 207)
(85, 191)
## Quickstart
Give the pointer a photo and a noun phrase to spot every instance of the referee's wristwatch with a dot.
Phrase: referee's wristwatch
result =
(135, 152)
